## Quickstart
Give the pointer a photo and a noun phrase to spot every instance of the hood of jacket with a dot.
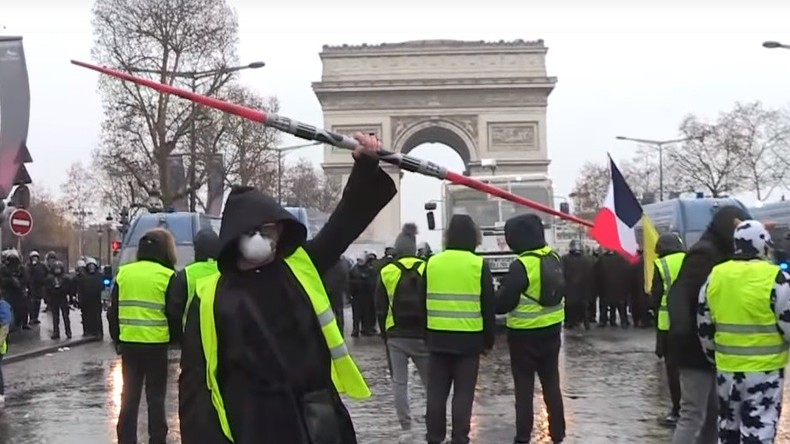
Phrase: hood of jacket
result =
(524, 233)
(461, 234)
(247, 209)
(722, 227)
(206, 243)
(668, 243)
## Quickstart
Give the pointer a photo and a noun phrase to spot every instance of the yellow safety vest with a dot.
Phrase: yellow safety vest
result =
(345, 375)
(390, 277)
(747, 338)
(194, 272)
(668, 268)
(141, 302)
(529, 314)
(453, 291)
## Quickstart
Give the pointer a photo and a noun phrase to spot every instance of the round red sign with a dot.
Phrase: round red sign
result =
(20, 222)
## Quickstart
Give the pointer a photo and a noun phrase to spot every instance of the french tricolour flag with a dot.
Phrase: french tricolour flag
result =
(615, 224)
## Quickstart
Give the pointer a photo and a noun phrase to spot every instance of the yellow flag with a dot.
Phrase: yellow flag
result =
(649, 240)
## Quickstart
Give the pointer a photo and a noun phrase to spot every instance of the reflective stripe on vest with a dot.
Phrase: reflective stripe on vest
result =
(529, 314)
(453, 291)
(747, 338)
(141, 302)
(390, 277)
(668, 268)
(345, 374)
(194, 272)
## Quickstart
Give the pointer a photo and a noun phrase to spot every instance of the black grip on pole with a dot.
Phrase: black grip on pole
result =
(309, 132)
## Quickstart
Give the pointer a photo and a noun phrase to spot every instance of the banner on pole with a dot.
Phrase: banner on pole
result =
(177, 182)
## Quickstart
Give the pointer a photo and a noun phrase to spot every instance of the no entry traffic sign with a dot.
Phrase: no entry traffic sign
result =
(20, 222)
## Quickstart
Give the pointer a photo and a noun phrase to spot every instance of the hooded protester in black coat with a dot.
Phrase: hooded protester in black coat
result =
(714, 247)
(274, 364)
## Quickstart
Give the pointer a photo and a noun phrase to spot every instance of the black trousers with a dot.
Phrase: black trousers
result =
(91, 320)
(609, 311)
(143, 365)
(19, 303)
(673, 379)
(35, 307)
(340, 318)
(529, 356)
(60, 307)
(640, 310)
(576, 313)
(356, 313)
(460, 373)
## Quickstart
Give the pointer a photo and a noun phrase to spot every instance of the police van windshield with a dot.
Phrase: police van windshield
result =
(181, 226)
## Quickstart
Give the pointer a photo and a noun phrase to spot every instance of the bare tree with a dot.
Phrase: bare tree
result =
(591, 185)
(172, 42)
(79, 194)
(711, 161)
(762, 137)
(249, 149)
(304, 186)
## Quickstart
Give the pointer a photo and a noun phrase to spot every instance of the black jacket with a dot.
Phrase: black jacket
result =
(523, 233)
(336, 283)
(89, 287)
(462, 235)
(578, 271)
(614, 282)
(668, 243)
(714, 247)
(274, 365)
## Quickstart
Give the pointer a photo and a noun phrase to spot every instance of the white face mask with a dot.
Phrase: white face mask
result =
(256, 249)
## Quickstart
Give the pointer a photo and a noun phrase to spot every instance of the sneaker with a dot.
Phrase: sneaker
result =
(2, 400)
(671, 419)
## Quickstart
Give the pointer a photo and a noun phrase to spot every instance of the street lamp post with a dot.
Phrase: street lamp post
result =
(109, 219)
(660, 144)
(99, 233)
(194, 76)
(81, 214)
(280, 153)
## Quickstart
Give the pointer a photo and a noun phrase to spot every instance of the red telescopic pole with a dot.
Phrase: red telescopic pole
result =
(309, 132)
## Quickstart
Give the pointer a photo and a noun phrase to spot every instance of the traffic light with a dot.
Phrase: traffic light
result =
(107, 271)
(116, 247)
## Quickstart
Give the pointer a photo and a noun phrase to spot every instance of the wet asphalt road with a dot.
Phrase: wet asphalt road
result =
(613, 386)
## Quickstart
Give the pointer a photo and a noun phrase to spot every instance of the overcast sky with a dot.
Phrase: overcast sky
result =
(631, 68)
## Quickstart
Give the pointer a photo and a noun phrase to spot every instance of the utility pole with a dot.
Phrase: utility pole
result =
(281, 152)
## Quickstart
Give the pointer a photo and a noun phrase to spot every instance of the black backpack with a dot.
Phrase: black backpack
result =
(408, 305)
(552, 280)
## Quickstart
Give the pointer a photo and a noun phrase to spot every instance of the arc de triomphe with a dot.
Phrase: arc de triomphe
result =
(484, 100)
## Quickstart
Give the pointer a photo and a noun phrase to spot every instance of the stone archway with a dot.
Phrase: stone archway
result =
(457, 132)
(484, 100)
